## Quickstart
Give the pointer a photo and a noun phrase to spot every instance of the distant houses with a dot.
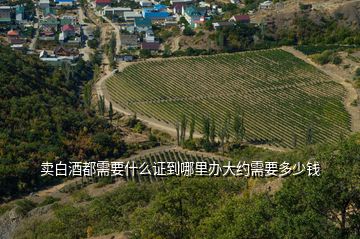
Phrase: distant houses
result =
(5, 14)
(63, 3)
(44, 4)
(194, 15)
(102, 3)
(244, 19)
(115, 11)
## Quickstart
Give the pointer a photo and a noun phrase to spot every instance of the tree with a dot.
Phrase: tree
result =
(212, 134)
(239, 127)
(177, 128)
(206, 129)
(111, 112)
(309, 136)
(101, 105)
(192, 127)
(183, 125)
(188, 31)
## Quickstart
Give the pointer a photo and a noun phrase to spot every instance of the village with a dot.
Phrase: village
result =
(67, 30)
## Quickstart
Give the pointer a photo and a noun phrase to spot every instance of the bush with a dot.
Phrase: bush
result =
(48, 200)
(24, 206)
(188, 31)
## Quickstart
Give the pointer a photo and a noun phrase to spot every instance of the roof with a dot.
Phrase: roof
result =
(150, 45)
(12, 33)
(154, 14)
(142, 22)
(68, 27)
(103, 1)
(127, 39)
(159, 7)
(20, 9)
(64, 0)
(65, 21)
(132, 15)
(5, 8)
(223, 24)
(240, 18)
(193, 11)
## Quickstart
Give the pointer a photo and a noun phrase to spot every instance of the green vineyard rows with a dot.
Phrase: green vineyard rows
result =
(281, 96)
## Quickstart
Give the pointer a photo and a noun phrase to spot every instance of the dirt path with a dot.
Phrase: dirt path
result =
(351, 95)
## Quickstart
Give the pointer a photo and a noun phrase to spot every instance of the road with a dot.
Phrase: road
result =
(32, 45)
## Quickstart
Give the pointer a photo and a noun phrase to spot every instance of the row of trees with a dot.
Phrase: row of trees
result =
(211, 136)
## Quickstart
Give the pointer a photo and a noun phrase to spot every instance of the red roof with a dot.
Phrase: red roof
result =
(12, 33)
(103, 1)
(68, 27)
(242, 18)
(150, 45)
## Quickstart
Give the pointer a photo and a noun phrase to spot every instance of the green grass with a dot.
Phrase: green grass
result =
(281, 95)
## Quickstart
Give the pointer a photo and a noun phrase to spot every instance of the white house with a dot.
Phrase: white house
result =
(44, 4)
(131, 16)
(145, 3)
(115, 11)
(265, 5)
(149, 36)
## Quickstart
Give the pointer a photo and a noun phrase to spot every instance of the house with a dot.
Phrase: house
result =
(145, 3)
(62, 51)
(128, 41)
(55, 60)
(68, 3)
(142, 24)
(19, 11)
(68, 20)
(152, 46)
(102, 3)
(149, 36)
(157, 12)
(220, 25)
(115, 11)
(181, 1)
(177, 8)
(194, 15)
(131, 16)
(14, 37)
(44, 4)
(49, 21)
(265, 5)
(244, 19)
(68, 30)
(5, 14)
(126, 58)
(49, 11)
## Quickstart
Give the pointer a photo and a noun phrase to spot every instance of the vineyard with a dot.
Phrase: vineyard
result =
(281, 96)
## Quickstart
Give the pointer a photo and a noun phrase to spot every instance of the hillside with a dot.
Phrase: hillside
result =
(215, 207)
(280, 96)
(42, 119)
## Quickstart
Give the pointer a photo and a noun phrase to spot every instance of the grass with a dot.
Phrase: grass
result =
(281, 96)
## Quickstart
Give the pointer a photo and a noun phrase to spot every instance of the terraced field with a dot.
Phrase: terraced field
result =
(281, 95)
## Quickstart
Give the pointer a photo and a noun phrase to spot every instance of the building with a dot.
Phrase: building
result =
(220, 25)
(5, 14)
(149, 36)
(14, 37)
(265, 5)
(131, 16)
(68, 3)
(128, 41)
(102, 3)
(62, 51)
(44, 4)
(145, 3)
(181, 1)
(152, 46)
(142, 24)
(115, 11)
(55, 60)
(194, 15)
(157, 12)
(244, 19)
(19, 13)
